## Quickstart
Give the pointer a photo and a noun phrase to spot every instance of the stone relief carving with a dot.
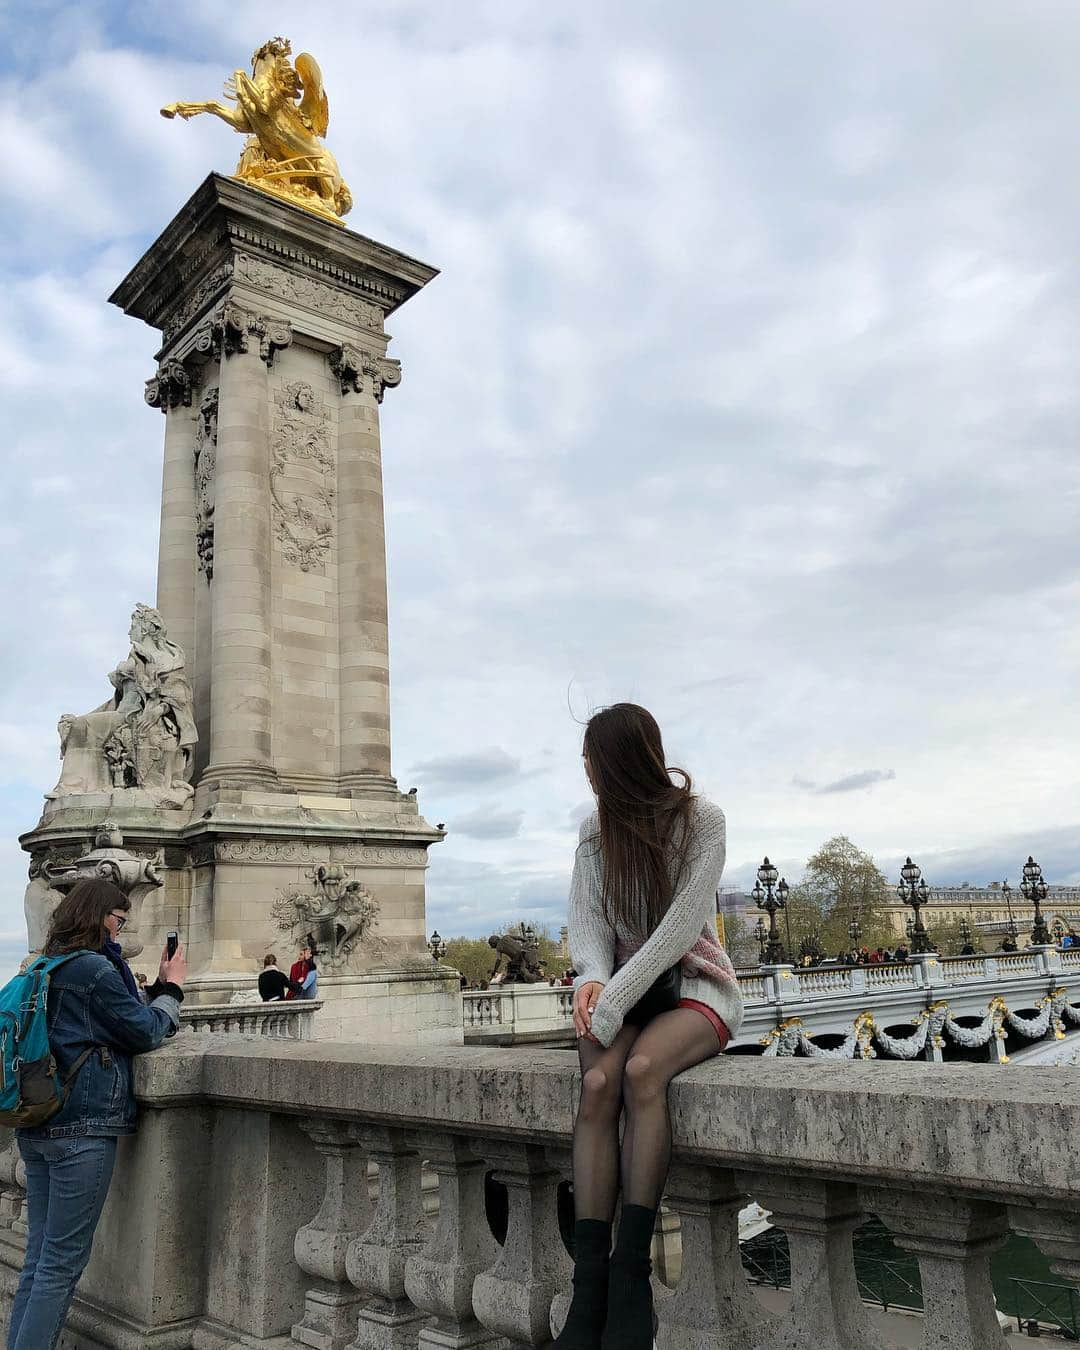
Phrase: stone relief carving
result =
(291, 850)
(143, 737)
(205, 465)
(181, 316)
(360, 371)
(302, 475)
(305, 291)
(52, 878)
(332, 915)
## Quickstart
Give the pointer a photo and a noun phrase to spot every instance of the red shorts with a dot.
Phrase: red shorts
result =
(718, 1023)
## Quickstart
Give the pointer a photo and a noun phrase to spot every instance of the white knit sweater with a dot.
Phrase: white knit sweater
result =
(691, 913)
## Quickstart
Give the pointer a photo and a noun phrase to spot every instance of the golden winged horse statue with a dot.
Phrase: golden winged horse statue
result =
(284, 111)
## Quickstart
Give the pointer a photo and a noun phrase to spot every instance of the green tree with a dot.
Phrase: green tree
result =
(840, 883)
(739, 942)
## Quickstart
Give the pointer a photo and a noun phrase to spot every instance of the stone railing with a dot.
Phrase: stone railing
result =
(240, 1213)
(829, 1001)
(291, 1020)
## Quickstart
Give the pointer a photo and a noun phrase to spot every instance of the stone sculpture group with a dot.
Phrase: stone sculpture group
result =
(142, 738)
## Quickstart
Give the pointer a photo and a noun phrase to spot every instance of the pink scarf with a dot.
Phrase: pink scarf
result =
(706, 957)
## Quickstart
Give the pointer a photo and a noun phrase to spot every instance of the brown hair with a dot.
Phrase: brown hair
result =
(644, 816)
(79, 919)
(269, 960)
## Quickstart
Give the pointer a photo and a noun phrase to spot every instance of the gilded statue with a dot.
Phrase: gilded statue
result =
(283, 110)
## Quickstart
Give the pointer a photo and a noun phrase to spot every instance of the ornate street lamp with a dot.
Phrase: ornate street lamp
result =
(854, 932)
(965, 931)
(1035, 891)
(913, 891)
(771, 897)
(909, 927)
(436, 946)
(762, 935)
(1058, 930)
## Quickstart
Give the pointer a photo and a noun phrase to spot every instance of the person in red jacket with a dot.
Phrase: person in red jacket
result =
(299, 971)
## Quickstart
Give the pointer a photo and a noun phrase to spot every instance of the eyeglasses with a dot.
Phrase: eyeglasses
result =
(121, 920)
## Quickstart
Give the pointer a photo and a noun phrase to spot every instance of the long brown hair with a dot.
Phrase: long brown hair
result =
(645, 823)
(79, 919)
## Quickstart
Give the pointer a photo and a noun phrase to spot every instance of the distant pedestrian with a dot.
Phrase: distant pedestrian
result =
(299, 971)
(274, 985)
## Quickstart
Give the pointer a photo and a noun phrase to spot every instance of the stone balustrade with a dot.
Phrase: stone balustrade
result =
(240, 1213)
(825, 1000)
(291, 1020)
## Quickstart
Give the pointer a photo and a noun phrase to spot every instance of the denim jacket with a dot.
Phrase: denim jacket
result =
(89, 1005)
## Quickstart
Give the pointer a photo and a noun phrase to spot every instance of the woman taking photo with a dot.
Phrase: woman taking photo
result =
(94, 1010)
(655, 994)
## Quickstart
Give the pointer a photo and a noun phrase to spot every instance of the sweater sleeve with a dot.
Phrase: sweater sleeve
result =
(592, 943)
(691, 908)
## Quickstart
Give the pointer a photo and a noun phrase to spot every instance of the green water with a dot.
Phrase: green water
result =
(1024, 1284)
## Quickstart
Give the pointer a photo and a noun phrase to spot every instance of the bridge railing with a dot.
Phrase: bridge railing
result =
(290, 1020)
(240, 1211)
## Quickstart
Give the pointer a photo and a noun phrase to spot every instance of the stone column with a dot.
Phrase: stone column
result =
(241, 681)
(177, 554)
(514, 1298)
(364, 640)
(819, 1219)
(953, 1239)
(439, 1279)
(713, 1307)
(376, 1261)
(331, 1305)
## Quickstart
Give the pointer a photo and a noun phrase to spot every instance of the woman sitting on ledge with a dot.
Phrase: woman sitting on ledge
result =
(656, 994)
(95, 1015)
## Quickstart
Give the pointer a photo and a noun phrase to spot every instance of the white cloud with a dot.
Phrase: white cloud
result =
(745, 391)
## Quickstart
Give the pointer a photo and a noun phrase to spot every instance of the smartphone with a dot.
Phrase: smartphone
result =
(172, 941)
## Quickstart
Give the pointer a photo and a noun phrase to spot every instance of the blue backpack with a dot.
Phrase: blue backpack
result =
(31, 1089)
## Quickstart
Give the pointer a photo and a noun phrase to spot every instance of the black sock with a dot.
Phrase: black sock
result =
(630, 1316)
(588, 1308)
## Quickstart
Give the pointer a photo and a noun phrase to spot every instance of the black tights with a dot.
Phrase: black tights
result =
(633, 1074)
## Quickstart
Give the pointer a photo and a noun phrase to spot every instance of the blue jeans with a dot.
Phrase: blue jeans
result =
(67, 1180)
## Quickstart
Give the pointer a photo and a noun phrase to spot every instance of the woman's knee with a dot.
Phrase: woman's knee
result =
(600, 1097)
(644, 1081)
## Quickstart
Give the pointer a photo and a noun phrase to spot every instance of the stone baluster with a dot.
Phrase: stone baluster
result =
(1055, 1231)
(375, 1261)
(953, 1238)
(331, 1306)
(514, 1298)
(713, 1307)
(439, 1278)
(818, 1218)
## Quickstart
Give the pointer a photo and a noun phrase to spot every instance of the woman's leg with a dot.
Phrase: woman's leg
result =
(672, 1042)
(80, 1170)
(596, 1187)
(37, 1205)
(596, 1130)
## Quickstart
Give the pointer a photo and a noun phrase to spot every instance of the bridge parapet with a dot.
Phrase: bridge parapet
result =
(240, 1214)
(828, 1001)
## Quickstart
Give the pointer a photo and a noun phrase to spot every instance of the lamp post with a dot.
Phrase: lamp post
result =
(762, 935)
(913, 891)
(854, 932)
(1011, 926)
(1035, 890)
(771, 897)
(436, 946)
(1058, 930)
(965, 931)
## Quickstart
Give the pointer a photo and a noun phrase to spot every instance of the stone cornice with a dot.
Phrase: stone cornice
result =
(194, 258)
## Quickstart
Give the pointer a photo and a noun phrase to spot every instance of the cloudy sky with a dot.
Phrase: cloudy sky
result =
(749, 390)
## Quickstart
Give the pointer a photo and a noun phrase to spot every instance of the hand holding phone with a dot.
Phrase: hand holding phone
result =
(172, 941)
